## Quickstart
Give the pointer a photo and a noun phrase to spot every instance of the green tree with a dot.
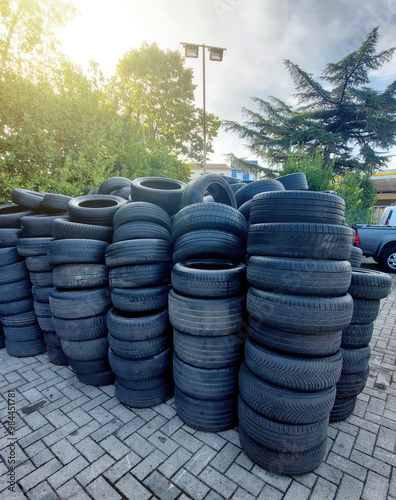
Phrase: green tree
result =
(154, 89)
(348, 121)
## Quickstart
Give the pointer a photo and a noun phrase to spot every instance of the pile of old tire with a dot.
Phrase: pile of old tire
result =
(139, 260)
(295, 181)
(166, 193)
(367, 289)
(23, 336)
(117, 186)
(245, 194)
(206, 309)
(33, 245)
(298, 306)
(81, 297)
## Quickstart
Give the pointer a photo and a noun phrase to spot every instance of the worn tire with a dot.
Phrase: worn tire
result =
(114, 184)
(356, 257)
(97, 379)
(369, 284)
(140, 251)
(53, 203)
(11, 215)
(65, 229)
(352, 384)
(9, 237)
(252, 189)
(140, 276)
(80, 304)
(38, 226)
(86, 350)
(365, 311)
(342, 409)
(212, 184)
(12, 273)
(76, 251)
(133, 328)
(140, 369)
(297, 180)
(141, 211)
(41, 278)
(29, 247)
(16, 307)
(143, 398)
(356, 336)
(38, 264)
(27, 198)
(140, 299)
(8, 256)
(74, 329)
(355, 360)
(166, 193)
(80, 276)
(138, 349)
(98, 209)
(141, 230)
(42, 293)
(25, 349)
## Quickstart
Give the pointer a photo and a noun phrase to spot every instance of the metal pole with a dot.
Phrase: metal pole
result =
(204, 112)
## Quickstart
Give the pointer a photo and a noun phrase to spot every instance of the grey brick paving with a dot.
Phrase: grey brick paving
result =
(82, 444)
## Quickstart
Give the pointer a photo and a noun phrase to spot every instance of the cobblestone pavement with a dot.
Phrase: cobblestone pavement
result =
(76, 441)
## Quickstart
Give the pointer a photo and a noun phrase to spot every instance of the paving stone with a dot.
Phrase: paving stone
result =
(93, 403)
(212, 495)
(347, 466)
(57, 418)
(376, 487)
(121, 412)
(153, 425)
(89, 449)
(82, 432)
(323, 490)
(350, 488)
(101, 490)
(40, 474)
(126, 430)
(268, 493)
(307, 480)
(211, 439)
(175, 462)
(163, 443)
(371, 463)
(365, 441)
(245, 479)
(35, 420)
(42, 458)
(64, 451)
(145, 413)
(343, 444)
(185, 439)
(132, 489)
(115, 447)
(244, 461)
(218, 482)
(32, 437)
(58, 434)
(297, 491)
(279, 482)
(42, 491)
(146, 466)
(225, 457)
(121, 467)
(200, 460)
(72, 490)
(163, 488)
(387, 439)
(101, 415)
(376, 406)
(166, 411)
(172, 426)
(67, 472)
(330, 473)
(139, 445)
(193, 486)
(94, 470)
(106, 430)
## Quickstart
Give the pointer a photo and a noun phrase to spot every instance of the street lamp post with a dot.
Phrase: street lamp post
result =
(215, 54)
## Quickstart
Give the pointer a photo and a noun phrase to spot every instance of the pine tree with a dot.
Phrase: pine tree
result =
(351, 124)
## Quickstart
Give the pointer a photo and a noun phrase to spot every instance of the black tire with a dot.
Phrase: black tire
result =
(27, 198)
(90, 367)
(42, 293)
(11, 215)
(38, 226)
(311, 241)
(365, 311)
(208, 352)
(165, 378)
(140, 276)
(245, 209)
(97, 379)
(23, 333)
(297, 313)
(161, 191)
(212, 184)
(231, 180)
(76, 251)
(42, 309)
(20, 319)
(57, 356)
(206, 416)
(81, 303)
(114, 184)
(73, 329)
(327, 278)
(208, 317)
(29, 247)
(52, 340)
(140, 369)
(80, 276)
(208, 244)
(42, 279)
(209, 278)
(356, 336)
(236, 186)
(98, 209)
(87, 350)
(352, 384)
(8, 256)
(297, 206)
(205, 383)
(144, 398)
(281, 463)
(53, 203)
(355, 360)
(293, 372)
(342, 409)
(356, 257)
(387, 259)
(209, 216)
(12, 273)
(45, 323)
(130, 327)
(284, 405)
(249, 190)
(2, 341)
(140, 299)
(64, 229)
(369, 284)
(314, 344)
(9, 237)
(140, 349)
(38, 264)
(140, 251)
(16, 307)
(141, 211)
(25, 349)
(124, 192)
(139, 230)
(297, 180)
(277, 436)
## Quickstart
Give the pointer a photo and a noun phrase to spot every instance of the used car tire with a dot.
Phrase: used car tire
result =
(166, 193)
(212, 184)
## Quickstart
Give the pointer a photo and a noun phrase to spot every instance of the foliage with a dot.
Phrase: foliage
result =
(344, 118)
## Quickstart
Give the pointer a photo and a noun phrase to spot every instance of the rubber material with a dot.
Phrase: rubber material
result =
(356, 257)
(132, 328)
(81, 303)
(356, 336)
(140, 276)
(249, 190)
(98, 209)
(74, 329)
(369, 284)
(140, 251)
(87, 350)
(365, 311)
(76, 251)
(80, 275)
(9, 237)
(27, 198)
(143, 399)
(164, 192)
(66, 229)
(141, 229)
(296, 180)
(140, 349)
(41, 278)
(140, 369)
(25, 349)
(11, 215)
(141, 211)
(140, 299)
(342, 409)
(11, 273)
(113, 184)
(355, 360)
(213, 184)
(38, 264)
(54, 203)
(28, 247)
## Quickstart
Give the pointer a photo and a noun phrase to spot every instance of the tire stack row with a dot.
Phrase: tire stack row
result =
(298, 306)
(81, 297)
(367, 289)
(206, 309)
(139, 260)
(22, 334)
(33, 245)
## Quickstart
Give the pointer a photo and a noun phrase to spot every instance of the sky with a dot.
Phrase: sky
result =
(258, 34)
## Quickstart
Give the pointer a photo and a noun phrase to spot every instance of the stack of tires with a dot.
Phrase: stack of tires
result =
(206, 309)
(33, 245)
(81, 297)
(298, 306)
(367, 289)
(139, 260)
(23, 336)
(245, 194)
(166, 193)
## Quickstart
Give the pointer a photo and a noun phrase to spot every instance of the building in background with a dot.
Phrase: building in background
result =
(223, 169)
(385, 182)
